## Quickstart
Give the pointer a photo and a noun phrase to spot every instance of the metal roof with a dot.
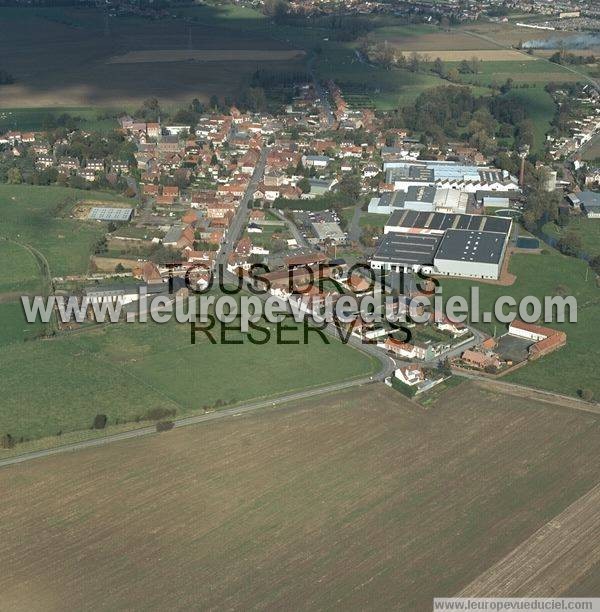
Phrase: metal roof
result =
(110, 214)
(471, 246)
(407, 249)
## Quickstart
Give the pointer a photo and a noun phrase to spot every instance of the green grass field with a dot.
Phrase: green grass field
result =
(19, 271)
(38, 216)
(587, 229)
(373, 219)
(540, 108)
(573, 366)
(540, 72)
(13, 327)
(42, 118)
(124, 370)
(365, 85)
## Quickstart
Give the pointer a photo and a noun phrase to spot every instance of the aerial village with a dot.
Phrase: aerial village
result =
(318, 186)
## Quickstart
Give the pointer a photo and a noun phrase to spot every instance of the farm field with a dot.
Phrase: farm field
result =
(129, 369)
(364, 85)
(419, 503)
(21, 273)
(14, 327)
(207, 55)
(485, 55)
(523, 69)
(507, 34)
(50, 75)
(430, 38)
(546, 275)
(41, 118)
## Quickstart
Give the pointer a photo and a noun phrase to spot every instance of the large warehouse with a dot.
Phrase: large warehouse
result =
(448, 175)
(420, 198)
(472, 246)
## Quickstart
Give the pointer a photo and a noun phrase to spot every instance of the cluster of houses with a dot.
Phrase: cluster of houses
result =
(582, 128)
(48, 156)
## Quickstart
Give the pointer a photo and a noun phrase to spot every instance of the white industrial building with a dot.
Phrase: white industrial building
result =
(424, 198)
(471, 246)
(448, 175)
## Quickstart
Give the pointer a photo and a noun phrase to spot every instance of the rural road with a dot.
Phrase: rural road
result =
(321, 92)
(191, 420)
(354, 225)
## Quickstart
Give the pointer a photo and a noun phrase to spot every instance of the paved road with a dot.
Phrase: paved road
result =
(354, 225)
(321, 91)
(241, 214)
(184, 422)
(296, 233)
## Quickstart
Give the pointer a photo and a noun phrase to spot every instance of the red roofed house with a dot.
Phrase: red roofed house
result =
(150, 190)
(546, 339)
(481, 360)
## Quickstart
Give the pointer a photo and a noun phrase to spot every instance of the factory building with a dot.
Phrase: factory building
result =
(471, 246)
(448, 175)
(424, 198)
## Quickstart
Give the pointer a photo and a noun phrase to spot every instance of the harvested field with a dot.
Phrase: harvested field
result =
(485, 55)
(357, 500)
(206, 55)
(432, 39)
(552, 560)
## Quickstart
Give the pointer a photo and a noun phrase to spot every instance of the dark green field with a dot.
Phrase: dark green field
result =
(59, 56)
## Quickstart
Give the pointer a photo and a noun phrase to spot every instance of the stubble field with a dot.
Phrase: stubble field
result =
(360, 499)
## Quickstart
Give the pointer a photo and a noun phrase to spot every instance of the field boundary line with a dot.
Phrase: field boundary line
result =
(186, 421)
(552, 559)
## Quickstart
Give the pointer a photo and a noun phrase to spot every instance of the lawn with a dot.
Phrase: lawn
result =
(126, 369)
(38, 216)
(373, 219)
(574, 366)
(356, 500)
(587, 229)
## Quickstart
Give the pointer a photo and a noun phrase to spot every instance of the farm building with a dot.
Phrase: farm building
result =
(545, 339)
(590, 203)
(110, 214)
